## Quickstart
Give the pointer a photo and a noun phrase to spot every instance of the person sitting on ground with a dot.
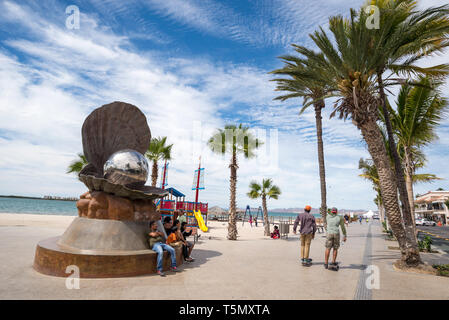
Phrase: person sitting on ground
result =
(334, 222)
(307, 232)
(189, 245)
(156, 243)
(275, 234)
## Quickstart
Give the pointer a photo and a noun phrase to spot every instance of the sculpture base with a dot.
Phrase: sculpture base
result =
(51, 259)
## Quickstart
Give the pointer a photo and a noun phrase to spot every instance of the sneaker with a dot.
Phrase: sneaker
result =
(162, 274)
(174, 269)
(326, 266)
(189, 259)
(309, 260)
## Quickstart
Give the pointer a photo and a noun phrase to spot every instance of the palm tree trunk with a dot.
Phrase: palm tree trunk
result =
(409, 184)
(399, 170)
(265, 216)
(388, 189)
(232, 226)
(382, 212)
(319, 134)
(154, 173)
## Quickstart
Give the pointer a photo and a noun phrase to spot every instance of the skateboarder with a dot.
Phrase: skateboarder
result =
(334, 223)
(307, 232)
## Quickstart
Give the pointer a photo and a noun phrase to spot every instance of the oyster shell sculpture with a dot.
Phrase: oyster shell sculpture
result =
(116, 128)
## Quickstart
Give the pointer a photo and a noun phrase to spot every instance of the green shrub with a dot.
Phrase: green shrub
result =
(443, 269)
(425, 244)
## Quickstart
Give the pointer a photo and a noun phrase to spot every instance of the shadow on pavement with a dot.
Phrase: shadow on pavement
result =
(201, 256)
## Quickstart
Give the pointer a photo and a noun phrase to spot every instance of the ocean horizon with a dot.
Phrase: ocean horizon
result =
(68, 208)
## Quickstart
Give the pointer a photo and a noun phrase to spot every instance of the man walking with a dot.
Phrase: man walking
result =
(307, 232)
(334, 223)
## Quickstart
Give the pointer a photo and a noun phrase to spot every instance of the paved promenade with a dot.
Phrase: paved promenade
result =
(251, 268)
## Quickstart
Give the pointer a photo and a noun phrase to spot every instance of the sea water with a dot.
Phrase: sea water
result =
(38, 206)
(68, 208)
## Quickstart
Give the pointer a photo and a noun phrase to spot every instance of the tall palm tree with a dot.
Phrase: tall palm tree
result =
(352, 65)
(78, 164)
(419, 111)
(233, 140)
(406, 36)
(313, 91)
(264, 190)
(158, 150)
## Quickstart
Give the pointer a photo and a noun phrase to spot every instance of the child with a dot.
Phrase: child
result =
(275, 234)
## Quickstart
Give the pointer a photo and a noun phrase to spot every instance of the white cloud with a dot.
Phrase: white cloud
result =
(63, 75)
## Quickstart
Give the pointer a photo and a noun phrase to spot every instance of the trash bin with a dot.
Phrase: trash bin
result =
(284, 229)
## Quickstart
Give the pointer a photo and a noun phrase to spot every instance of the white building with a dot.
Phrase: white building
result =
(432, 206)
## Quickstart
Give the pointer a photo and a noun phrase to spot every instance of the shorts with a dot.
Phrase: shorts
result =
(333, 241)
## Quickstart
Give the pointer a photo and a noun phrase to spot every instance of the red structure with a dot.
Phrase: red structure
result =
(175, 201)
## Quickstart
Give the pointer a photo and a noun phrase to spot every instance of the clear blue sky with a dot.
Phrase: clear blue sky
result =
(191, 66)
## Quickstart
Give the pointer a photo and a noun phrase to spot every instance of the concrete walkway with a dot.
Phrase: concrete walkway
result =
(251, 268)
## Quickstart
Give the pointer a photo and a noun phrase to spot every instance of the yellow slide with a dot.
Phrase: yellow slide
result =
(200, 220)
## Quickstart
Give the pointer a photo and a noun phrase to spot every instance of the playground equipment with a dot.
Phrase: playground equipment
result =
(248, 211)
(200, 220)
(196, 212)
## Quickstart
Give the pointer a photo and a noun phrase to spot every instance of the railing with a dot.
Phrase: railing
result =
(203, 207)
(181, 205)
(167, 205)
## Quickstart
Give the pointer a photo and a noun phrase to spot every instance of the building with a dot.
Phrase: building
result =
(434, 206)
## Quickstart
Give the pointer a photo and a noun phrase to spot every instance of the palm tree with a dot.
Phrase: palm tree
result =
(300, 85)
(419, 111)
(78, 164)
(406, 36)
(352, 73)
(234, 140)
(369, 172)
(158, 150)
(264, 190)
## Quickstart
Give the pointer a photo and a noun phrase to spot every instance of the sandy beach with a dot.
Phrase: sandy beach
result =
(254, 267)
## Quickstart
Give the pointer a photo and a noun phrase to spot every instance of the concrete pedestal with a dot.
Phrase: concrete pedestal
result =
(101, 249)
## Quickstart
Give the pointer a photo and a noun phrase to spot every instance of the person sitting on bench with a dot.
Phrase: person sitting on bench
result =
(156, 242)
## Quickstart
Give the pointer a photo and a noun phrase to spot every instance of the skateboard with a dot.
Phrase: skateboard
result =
(334, 267)
(307, 263)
